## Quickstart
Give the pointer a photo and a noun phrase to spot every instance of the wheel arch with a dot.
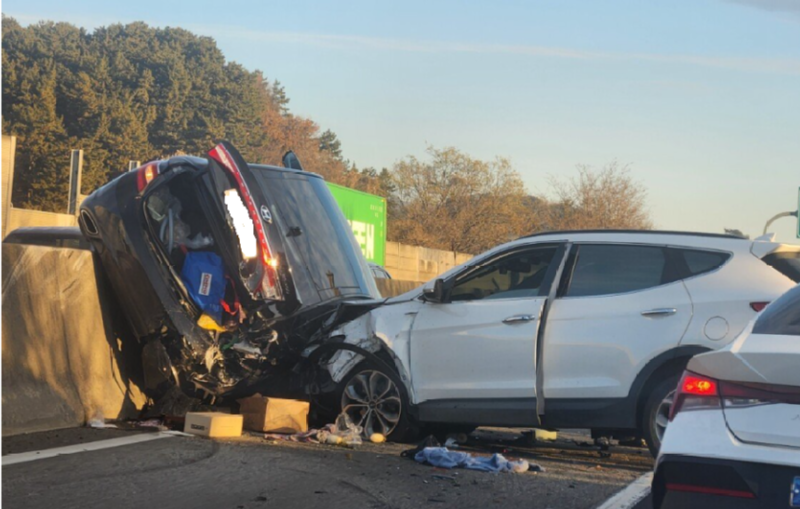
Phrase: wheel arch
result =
(663, 365)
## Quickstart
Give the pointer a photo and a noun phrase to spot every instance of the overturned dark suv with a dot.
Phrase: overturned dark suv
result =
(227, 271)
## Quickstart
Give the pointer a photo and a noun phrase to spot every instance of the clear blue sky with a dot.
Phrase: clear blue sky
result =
(701, 97)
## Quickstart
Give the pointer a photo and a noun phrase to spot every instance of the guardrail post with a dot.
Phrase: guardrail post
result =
(75, 171)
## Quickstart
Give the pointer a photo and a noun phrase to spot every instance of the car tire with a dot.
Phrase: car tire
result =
(656, 413)
(376, 399)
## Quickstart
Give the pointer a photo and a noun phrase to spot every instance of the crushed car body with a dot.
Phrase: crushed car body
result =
(226, 271)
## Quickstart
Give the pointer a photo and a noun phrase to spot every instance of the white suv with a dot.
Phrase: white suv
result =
(587, 329)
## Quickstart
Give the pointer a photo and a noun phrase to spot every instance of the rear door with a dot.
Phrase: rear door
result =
(620, 306)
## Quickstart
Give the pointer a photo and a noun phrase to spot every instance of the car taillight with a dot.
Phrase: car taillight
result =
(758, 306)
(146, 174)
(743, 394)
(694, 391)
(270, 288)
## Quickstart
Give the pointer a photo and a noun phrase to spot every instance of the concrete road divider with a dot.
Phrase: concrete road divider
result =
(66, 358)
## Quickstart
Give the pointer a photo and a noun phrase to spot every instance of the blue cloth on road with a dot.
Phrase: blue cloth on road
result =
(444, 458)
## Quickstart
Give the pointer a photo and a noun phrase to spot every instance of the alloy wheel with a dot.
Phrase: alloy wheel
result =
(662, 416)
(372, 400)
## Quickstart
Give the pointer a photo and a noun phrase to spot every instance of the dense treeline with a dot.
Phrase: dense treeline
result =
(135, 92)
(132, 91)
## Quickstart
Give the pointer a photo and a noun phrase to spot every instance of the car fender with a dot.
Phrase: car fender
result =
(384, 329)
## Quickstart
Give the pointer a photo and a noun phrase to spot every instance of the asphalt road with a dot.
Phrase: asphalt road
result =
(254, 473)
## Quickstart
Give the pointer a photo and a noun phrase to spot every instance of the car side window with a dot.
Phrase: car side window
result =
(517, 275)
(607, 269)
(698, 261)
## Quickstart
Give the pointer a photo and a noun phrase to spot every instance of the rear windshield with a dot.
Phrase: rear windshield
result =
(787, 263)
(782, 317)
(325, 258)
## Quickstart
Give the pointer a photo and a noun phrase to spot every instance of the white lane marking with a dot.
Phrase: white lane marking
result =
(23, 457)
(630, 495)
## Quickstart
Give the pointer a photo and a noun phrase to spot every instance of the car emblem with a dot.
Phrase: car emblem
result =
(265, 214)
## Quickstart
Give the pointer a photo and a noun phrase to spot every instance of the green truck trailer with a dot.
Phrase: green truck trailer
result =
(366, 214)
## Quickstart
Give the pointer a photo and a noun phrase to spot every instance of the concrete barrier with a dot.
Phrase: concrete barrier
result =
(66, 358)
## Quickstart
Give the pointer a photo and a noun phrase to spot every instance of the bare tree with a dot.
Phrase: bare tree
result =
(608, 198)
(455, 202)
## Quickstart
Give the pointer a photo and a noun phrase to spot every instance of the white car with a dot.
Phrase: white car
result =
(734, 440)
(578, 329)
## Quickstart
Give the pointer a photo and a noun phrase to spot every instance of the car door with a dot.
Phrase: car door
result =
(620, 305)
(476, 351)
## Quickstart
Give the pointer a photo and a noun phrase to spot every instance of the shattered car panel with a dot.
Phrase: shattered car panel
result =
(226, 271)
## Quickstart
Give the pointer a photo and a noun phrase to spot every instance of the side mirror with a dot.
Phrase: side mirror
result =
(434, 293)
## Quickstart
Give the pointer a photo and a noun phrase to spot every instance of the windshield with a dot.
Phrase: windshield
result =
(325, 258)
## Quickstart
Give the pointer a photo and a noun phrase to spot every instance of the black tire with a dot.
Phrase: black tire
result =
(653, 416)
(369, 382)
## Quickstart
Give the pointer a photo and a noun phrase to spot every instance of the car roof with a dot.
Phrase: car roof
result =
(638, 232)
(724, 242)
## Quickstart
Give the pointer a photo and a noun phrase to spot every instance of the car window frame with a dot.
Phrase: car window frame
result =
(544, 288)
(569, 269)
(683, 268)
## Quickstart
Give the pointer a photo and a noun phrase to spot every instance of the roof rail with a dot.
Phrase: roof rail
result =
(646, 232)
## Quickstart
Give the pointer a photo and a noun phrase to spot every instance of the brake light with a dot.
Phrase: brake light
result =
(691, 488)
(758, 306)
(694, 391)
(269, 283)
(739, 394)
(698, 386)
(146, 174)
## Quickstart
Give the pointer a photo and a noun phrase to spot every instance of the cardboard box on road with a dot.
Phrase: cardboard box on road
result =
(274, 415)
(213, 424)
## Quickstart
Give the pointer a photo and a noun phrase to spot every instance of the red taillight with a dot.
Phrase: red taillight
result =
(145, 175)
(698, 385)
(691, 488)
(269, 284)
(694, 391)
(759, 305)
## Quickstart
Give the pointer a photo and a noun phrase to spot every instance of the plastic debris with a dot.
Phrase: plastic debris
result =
(343, 432)
(205, 321)
(99, 421)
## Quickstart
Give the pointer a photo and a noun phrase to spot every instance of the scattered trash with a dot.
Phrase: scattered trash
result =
(156, 424)
(274, 415)
(348, 433)
(342, 432)
(99, 422)
(444, 458)
(213, 424)
(451, 443)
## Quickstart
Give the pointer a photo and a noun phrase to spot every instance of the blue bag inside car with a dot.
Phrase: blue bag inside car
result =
(204, 277)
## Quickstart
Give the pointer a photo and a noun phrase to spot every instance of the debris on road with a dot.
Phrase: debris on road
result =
(213, 424)
(445, 458)
(274, 415)
(343, 432)
(99, 422)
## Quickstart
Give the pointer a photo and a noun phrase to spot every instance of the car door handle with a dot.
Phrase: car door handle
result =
(519, 319)
(660, 312)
